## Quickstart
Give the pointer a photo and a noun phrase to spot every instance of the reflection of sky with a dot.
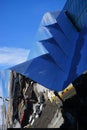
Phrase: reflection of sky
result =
(0, 116)
(4, 76)
(1, 91)
(1, 101)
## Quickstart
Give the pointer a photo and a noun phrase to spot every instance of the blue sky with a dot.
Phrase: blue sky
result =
(19, 22)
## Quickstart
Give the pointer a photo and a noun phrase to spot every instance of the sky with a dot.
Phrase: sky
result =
(19, 22)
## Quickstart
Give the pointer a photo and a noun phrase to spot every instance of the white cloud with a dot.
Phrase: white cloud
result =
(12, 56)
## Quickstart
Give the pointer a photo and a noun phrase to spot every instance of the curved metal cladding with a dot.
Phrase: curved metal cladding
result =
(65, 58)
(78, 63)
(77, 11)
(43, 70)
(56, 52)
(82, 44)
(51, 70)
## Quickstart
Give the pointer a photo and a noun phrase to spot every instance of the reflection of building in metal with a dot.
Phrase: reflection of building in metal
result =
(57, 67)
(39, 88)
(23, 93)
(77, 11)
(10, 103)
(3, 118)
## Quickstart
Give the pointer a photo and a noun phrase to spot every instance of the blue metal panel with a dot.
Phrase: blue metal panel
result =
(82, 20)
(44, 71)
(37, 50)
(66, 25)
(66, 44)
(68, 4)
(43, 33)
(79, 60)
(76, 8)
(57, 53)
(83, 60)
(55, 26)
